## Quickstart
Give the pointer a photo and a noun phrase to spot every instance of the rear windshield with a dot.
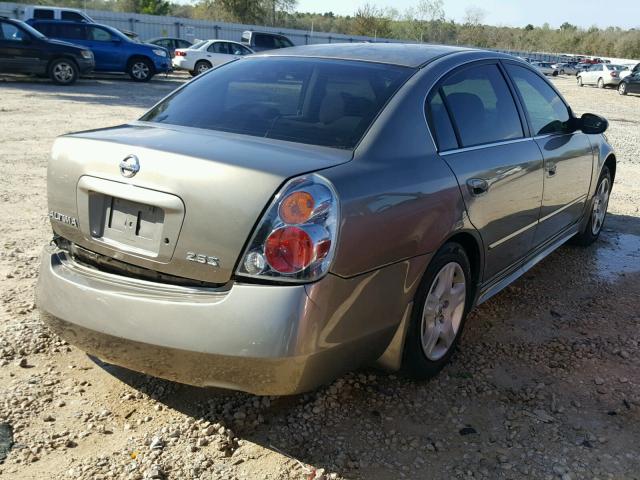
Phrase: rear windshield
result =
(320, 102)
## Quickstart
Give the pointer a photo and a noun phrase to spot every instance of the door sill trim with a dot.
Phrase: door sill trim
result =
(502, 282)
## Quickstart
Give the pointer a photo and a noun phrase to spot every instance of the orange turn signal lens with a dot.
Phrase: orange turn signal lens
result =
(296, 208)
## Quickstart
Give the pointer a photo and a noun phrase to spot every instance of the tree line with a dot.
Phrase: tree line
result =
(425, 22)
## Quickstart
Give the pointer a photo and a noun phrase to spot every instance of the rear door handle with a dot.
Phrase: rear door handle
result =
(477, 186)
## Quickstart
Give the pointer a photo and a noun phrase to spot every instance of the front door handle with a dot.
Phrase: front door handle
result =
(551, 169)
(477, 186)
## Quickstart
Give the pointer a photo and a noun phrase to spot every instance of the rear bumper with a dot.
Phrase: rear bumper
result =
(262, 339)
(181, 63)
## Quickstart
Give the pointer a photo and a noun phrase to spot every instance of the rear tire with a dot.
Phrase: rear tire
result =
(580, 84)
(597, 210)
(140, 70)
(600, 83)
(202, 66)
(63, 71)
(439, 311)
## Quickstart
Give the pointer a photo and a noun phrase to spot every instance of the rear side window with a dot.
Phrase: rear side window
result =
(43, 14)
(219, 47)
(282, 42)
(481, 105)
(72, 16)
(441, 123)
(320, 102)
(69, 31)
(546, 111)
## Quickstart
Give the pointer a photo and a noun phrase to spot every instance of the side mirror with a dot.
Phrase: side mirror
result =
(593, 124)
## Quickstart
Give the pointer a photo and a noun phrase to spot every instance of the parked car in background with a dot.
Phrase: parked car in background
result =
(25, 50)
(295, 215)
(42, 12)
(566, 68)
(208, 54)
(113, 51)
(630, 70)
(261, 41)
(601, 74)
(170, 43)
(545, 68)
(630, 84)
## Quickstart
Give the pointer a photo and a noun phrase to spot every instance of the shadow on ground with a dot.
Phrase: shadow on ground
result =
(114, 90)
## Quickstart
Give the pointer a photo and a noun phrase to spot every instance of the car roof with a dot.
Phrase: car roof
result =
(402, 54)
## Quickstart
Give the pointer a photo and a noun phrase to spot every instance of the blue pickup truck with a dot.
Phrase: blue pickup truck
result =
(113, 51)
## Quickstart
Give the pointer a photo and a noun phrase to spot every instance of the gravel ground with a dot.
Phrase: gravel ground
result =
(546, 383)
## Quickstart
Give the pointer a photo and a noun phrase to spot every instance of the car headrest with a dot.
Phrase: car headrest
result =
(332, 108)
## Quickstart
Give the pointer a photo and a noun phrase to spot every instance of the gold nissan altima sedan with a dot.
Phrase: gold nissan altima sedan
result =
(294, 215)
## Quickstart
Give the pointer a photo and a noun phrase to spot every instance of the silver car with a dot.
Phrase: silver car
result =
(602, 75)
(291, 216)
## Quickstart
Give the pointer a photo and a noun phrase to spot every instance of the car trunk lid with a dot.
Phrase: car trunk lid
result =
(176, 200)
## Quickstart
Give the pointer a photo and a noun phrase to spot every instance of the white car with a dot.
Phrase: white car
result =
(546, 68)
(602, 75)
(206, 54)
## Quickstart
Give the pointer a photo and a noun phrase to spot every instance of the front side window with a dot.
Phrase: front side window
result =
(72, 16)
(282, 42)
(10, 32)
(264, 41)
(319, 102)
(481, 105)
(546, 111)
(166, 43)
(99, 35)
(183, 44)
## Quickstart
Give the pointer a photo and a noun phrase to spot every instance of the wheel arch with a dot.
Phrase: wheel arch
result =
(611, 163)
(61, 56)
(140, 56)
(472, 244)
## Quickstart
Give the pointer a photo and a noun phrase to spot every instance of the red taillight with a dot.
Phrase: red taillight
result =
(614, 74)
(180, 54)
(289, 250)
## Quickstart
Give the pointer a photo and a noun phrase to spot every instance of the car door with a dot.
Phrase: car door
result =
(107, 49)
(19, 52)
(480, 134)
(219, 53)
(567, 153)
(633, 83)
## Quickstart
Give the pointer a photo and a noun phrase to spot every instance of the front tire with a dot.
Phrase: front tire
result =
(63, 72)
(622, 88)
(580, 84)
(598, 211)
(600, 83)
(140, 70)
(439, 311)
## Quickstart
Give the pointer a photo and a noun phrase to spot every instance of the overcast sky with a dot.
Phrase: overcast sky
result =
(518, 13)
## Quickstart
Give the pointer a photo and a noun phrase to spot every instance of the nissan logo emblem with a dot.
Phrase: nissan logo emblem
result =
(129, 166)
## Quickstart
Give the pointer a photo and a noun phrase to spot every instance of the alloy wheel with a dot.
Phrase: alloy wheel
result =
(622, 89)
(600, 204)
(140, 70)
(203, 67)
(443, 311)
(63, 72)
